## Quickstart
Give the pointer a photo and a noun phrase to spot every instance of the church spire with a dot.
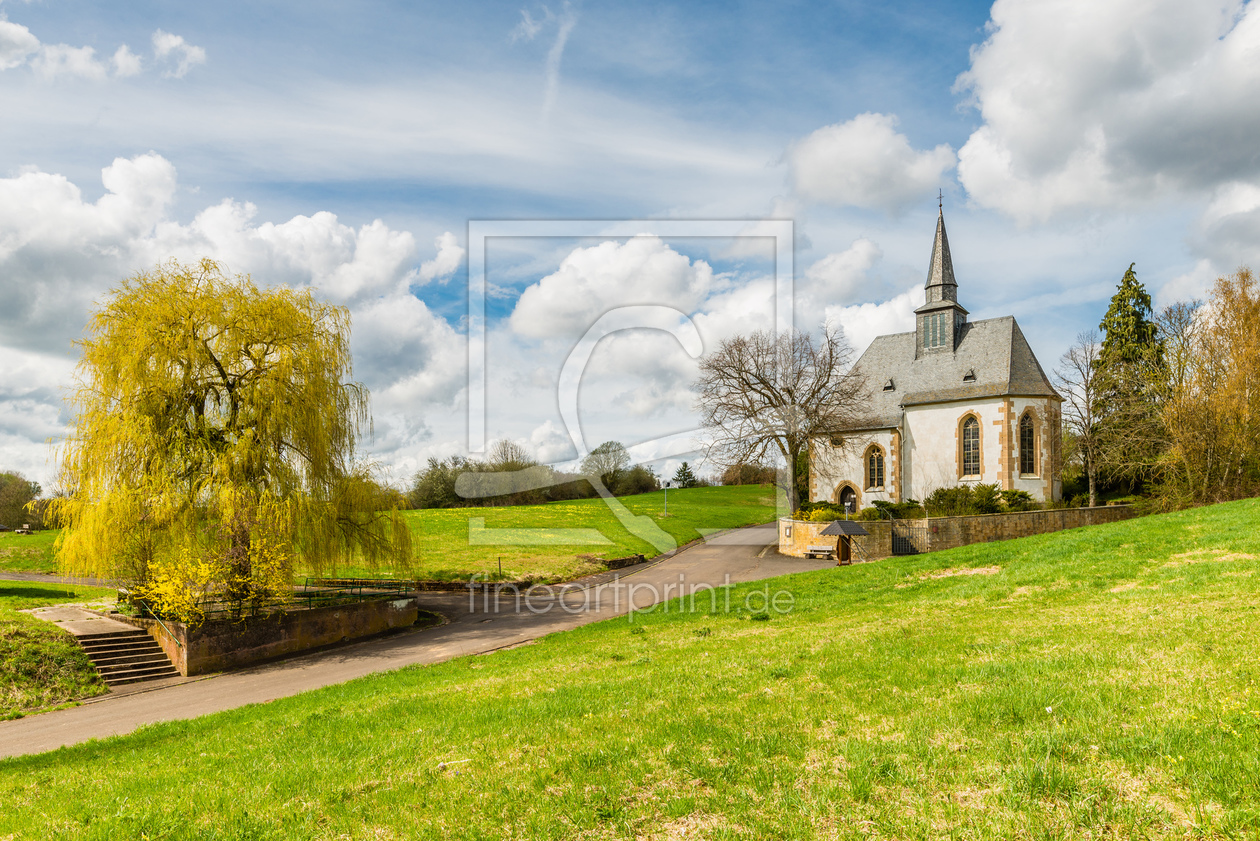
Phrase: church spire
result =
(940, 280)
(941, 320)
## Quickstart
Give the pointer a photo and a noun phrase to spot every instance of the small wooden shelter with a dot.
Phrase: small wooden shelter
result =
(843, 531)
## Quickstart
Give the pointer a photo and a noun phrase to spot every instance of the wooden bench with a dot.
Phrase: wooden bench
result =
(821, 551)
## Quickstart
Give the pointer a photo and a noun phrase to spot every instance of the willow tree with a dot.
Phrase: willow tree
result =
(213, 443)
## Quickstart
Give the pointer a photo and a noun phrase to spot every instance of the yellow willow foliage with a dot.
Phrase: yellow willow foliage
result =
(213, 444)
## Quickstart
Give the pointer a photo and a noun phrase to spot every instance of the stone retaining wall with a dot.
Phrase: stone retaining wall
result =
(224, 644)
(796, 536)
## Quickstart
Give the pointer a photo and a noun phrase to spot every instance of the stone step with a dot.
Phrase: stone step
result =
(128, 657)
(120, 635)
(137, 675)
(103, 645)
(126, 660)
(141, 647)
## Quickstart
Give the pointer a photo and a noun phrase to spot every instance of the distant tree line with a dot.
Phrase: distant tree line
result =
(509, 475)
(1167, 403)
(16, 493)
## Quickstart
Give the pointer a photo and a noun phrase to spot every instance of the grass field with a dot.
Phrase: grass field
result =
(443, 547)
(27, 552)
(41, 666)
(442, 537)
(1098, 683)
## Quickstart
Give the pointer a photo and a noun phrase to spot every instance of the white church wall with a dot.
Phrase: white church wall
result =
(1044, 482)
(833, 468)
(932, 447)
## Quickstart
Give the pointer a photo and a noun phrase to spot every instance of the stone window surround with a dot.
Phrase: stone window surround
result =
(866, 467)
(857, 494)
(958, 434)
(1029, 412)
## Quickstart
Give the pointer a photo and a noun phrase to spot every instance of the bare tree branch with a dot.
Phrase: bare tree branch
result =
(771, 394)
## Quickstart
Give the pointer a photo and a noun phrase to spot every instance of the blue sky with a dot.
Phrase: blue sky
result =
(347, 147)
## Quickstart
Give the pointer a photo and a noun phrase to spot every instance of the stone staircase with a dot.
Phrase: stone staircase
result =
(127, 657)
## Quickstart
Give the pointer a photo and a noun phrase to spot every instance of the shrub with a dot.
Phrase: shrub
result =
(909, 509)
(748, 474)
(950, 502)
(1018, 501)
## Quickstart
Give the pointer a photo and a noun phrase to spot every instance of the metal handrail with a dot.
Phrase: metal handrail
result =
(169, 633)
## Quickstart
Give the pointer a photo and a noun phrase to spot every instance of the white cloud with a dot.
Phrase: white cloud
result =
(16, 44)
(1187, 286)
(59, 254)
(550, 443)
(449, 257)
(863, 322)
(1227, 234)
(865, 162)
(58, 61)
(565, 23)
(591, 281)
(61, 60)
(177, 50)
(126, 63)
(842, 277)
(1101, 105)
(527, 28)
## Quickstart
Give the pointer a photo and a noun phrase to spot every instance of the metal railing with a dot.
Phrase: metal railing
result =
(311, 594)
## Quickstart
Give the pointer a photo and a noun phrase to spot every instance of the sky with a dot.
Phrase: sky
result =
(352, 149)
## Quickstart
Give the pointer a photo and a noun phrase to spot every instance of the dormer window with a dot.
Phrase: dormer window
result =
(888, 386)
(970, 376)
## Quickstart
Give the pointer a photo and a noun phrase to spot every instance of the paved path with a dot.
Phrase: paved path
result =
(80, 622)
(477, 624)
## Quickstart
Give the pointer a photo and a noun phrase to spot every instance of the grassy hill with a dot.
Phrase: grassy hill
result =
(1085, 684)
(28, 552)
(443, 550)
(41, 666)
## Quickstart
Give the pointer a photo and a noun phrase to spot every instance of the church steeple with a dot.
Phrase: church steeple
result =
(940, 319)
(941, 285)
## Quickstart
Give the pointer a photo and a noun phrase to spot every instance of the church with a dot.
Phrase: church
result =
(955, 402)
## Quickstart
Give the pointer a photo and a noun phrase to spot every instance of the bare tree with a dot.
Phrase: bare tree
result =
(1078, 382)
(1209, 401)
(768, 394)
(608, 462)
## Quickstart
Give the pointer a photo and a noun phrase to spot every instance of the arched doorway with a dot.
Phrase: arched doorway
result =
(848, 499)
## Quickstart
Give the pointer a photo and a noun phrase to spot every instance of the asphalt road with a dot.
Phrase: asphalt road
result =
(476, 624)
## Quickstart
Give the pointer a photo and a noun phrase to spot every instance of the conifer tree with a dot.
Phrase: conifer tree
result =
(1129, 334)
(684, 478)
(1129, 360)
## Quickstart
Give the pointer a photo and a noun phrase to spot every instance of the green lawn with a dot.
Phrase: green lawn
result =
(41, 666)
(442, 536)
(1098, 683)
(27, 552)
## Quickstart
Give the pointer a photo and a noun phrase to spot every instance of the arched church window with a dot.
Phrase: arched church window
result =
(874, 468)
(1027, 444)
(971, 446)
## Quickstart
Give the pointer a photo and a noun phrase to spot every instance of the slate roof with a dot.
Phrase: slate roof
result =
(842, 527)
(994, 349)
(941, 267)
